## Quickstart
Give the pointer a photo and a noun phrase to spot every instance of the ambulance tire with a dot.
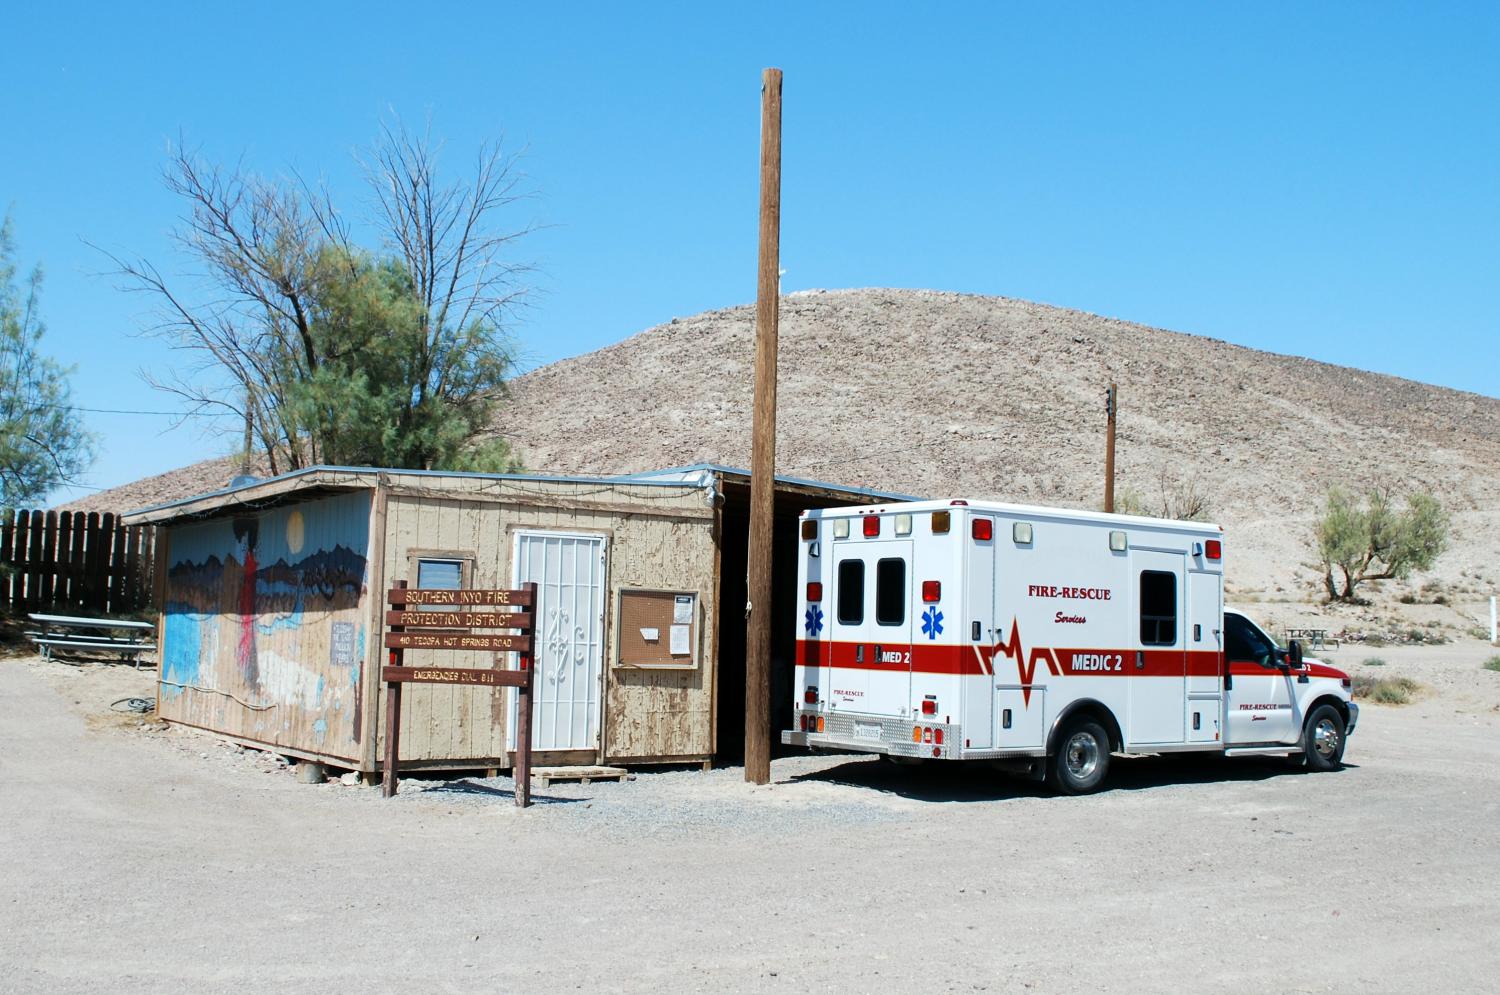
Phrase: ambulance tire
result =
(1081, 760)
(1323, 739)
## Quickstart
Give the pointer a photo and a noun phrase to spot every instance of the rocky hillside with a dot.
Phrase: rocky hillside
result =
(951, 394)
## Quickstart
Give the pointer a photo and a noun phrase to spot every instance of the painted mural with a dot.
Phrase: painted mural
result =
(264, 636)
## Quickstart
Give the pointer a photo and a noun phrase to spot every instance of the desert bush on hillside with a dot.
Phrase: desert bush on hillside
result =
(1493, 663)
(1368, 539)
(1176, 498)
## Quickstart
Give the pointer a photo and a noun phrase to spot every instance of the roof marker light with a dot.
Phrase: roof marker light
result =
(841, 528)
(1118, 542)
(809, 528)
(984, 529)
(932, 590)
(903, 525)
(872, 525)
(814, 590)
(942, 521)
(959, 502)
(1020, 533)
(1213, 549)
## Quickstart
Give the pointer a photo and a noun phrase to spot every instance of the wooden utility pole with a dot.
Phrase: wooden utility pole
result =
(763, 442)
(1111, 405)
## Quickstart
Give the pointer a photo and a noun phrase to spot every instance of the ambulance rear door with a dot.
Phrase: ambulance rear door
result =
(870, 627)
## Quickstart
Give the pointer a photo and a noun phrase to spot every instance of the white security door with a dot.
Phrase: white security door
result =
(569, 571)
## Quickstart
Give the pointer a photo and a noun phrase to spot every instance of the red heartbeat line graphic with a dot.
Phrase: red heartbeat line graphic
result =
(1026, 666)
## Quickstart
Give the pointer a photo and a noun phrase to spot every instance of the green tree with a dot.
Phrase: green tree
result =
(42, 440)
(336, 353)
(1369, 539)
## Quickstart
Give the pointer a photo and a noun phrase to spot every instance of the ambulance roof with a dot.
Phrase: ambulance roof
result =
(1022, 511)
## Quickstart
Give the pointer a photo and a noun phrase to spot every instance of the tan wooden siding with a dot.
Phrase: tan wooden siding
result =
(657, 537)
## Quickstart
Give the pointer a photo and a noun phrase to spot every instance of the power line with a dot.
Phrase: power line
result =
(133, 411)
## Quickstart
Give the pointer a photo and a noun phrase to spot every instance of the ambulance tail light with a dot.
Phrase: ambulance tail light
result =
(815, 590)
(802, 722)
(810, 695)
(872, 525)
(937, 736)
(932, 590)
(1213, 549)
(820, 723)
(984, 529)
(929, 706)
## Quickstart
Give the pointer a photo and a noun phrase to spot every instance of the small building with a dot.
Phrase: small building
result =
(272, 598)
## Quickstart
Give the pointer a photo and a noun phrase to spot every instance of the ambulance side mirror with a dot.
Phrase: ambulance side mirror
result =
(1294, 654)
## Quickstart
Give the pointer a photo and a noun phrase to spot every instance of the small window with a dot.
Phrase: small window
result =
(442, 575)
(1158, 608)
(890, 592)
(851, 592)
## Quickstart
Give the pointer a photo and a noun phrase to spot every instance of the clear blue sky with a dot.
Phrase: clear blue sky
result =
(1317, 179)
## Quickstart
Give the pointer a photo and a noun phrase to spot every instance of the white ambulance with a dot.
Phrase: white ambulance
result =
(1043, 640)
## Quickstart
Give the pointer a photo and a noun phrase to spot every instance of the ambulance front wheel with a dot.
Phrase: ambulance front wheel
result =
(1323, 739)
(1081, 760)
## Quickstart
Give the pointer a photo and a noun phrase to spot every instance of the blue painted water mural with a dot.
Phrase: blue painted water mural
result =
(182, 642)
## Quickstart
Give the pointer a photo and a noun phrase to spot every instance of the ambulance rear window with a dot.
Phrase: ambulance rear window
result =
(890, 592)
(1158, 608)
(851, 592)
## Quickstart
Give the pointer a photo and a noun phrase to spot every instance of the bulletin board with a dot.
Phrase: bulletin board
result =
(657, 629)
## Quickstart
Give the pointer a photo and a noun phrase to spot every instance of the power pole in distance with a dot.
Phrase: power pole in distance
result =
(1111, 405)
(763, 442)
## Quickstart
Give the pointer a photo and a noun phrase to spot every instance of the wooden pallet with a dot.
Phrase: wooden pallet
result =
(585, 775)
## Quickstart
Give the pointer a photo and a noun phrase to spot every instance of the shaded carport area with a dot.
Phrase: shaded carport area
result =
(792, 498)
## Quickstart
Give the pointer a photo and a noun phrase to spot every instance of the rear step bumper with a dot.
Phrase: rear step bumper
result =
(875, 734)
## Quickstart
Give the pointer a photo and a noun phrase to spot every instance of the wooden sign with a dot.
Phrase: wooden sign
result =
(460, 620)
(427, 635)
(456, 641)
(456, 675)
(481, 598)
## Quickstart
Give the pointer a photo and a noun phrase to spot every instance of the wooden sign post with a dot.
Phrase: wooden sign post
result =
(420, 618)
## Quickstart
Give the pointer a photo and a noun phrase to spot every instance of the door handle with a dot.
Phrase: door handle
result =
(1140, 659)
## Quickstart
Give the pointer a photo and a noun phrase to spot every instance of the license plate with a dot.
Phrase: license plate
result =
(867, 730)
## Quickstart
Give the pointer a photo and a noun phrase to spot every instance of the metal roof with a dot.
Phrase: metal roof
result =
(723, 470)
(694, 476)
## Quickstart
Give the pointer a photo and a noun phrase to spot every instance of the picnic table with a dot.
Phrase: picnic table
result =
(1315, 639)
(60, 633)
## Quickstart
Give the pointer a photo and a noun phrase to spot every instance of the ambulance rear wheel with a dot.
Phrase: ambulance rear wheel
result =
(1081, 760)
(1323, 739)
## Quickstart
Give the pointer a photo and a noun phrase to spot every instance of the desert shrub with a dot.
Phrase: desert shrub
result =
(1374, 661)
(1493, 663)
(1385, 690)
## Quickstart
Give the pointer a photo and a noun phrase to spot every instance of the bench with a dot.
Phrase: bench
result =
(60, 634)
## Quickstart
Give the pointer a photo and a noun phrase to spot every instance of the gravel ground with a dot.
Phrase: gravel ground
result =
(139, 858)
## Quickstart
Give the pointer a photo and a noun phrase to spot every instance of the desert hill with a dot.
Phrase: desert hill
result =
(939, 394)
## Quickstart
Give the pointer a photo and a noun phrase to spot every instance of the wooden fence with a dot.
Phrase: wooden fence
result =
(74, 561)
